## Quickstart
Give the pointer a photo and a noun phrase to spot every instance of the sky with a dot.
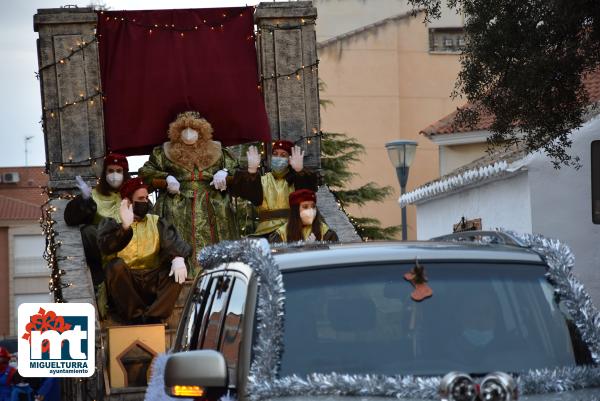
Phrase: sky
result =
(20, 105)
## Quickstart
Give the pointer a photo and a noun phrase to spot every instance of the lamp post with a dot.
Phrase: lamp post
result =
(401, 154)
(27, 139)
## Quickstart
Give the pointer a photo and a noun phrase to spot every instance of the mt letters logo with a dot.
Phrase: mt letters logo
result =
(56, 340)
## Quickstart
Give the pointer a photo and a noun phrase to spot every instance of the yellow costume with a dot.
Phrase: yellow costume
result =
(142, 251)
(106, 205)
(280, 235)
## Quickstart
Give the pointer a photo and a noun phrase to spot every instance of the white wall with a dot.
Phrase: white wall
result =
(561, 205)
(336, 17)
(503, 203)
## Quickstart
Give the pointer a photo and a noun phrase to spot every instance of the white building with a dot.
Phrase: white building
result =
(524, 193)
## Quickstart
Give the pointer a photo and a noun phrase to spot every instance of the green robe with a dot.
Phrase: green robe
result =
(201, 214)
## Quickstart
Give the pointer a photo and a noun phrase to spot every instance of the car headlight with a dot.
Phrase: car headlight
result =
(498, 386)
(456, 386)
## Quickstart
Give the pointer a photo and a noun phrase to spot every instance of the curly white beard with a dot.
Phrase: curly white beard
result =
(202, 154)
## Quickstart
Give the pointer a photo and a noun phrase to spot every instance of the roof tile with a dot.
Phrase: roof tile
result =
(446, 125)
(22, 200)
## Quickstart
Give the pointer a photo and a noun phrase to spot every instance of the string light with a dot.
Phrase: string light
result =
(80, 47)
(172, 27)
(82, 99)
(309, 138)
(74, 163)
(55, 285)
(313, 67)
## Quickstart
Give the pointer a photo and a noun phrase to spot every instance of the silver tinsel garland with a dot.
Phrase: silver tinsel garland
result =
(560, 262)
(269, 310)
(264, 383)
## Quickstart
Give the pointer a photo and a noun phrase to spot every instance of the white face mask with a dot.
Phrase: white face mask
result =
(279, 164)
(114, 179)
(308, 216)
(189, 136)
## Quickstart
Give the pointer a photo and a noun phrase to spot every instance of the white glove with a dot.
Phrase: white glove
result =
(178, 270)
(126, 213)
(297, 159)
(220, 180)
(172, 185)
(85, 189)
(311, 238)
(253, 159)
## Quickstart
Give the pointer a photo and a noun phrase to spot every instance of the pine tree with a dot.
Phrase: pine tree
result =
(338, 152)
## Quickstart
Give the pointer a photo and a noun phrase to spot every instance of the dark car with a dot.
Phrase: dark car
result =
(336, 320)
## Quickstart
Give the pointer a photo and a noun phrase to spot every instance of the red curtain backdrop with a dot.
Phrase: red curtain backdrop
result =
(156, 64)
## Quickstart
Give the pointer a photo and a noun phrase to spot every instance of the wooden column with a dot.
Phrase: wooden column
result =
(71, 94)
(287, 55)
(73, 132)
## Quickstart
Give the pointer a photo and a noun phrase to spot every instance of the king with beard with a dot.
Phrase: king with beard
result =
(190, 172)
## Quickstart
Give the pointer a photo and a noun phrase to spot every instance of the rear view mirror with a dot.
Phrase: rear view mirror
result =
(200, 373)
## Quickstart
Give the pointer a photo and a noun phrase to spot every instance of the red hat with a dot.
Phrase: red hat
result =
(4, 353)
(302, 195)
(116, 159)
(132, 185)
(285, 145)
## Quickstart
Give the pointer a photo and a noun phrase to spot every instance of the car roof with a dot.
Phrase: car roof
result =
(324, 255)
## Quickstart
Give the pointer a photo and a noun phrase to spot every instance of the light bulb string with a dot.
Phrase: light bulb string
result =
(82, 99)
(313, 67)
(55, 284)
(227, 17)
(79, 48)
(308, 138)
(77, 163)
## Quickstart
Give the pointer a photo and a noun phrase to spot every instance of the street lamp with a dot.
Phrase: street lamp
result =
(401, 154)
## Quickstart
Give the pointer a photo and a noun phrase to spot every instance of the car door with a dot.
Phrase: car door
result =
(215, 317)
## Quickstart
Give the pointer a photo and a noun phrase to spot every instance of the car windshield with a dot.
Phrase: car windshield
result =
(481, 318)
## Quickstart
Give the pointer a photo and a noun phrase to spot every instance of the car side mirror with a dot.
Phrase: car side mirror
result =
(201, 373)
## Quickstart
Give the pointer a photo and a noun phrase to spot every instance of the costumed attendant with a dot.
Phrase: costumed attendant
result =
(22, 391)
(270, 192)
(89, 207)
(191, 171)
(305, 222)
(8, 375)
(146, 265)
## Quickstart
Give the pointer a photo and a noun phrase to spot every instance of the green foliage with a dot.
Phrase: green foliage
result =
(370, 228)
(523, 63)
(367, 193)
(338, 152)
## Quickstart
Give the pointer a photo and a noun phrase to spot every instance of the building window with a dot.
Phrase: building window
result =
(28, 298)
(31, 273)
(28, 251)
(596, 182)
(447, 40)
